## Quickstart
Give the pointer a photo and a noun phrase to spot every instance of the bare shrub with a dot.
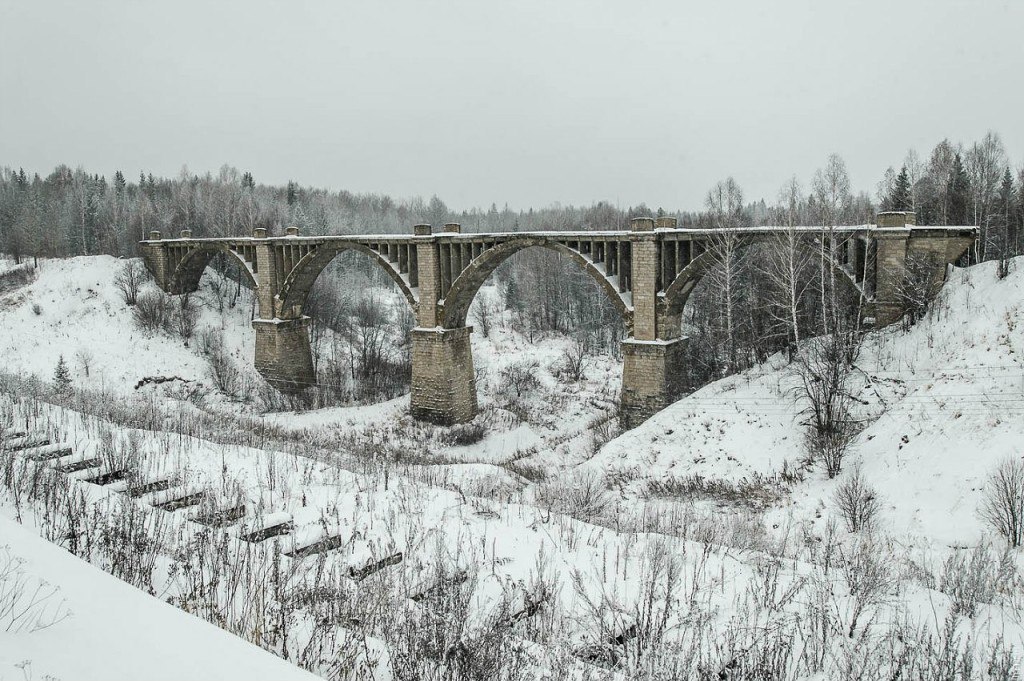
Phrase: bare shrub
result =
(581, 494)
(152, 311)
(977, 580)
(129, 281)
(1002, 506)
(16, 278)
(916, 289)
(574, 360)
(463, 434)
(858, 502)
(520, 378)
(187, 318)
(85, 359)
(824, 368)
(869, 579)
(225, 373)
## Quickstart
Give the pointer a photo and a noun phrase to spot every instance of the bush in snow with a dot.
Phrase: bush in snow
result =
(129, 281)
(857, 502)
(1003, 504)
(581, 494)
(973, 581)
(153, 311)
(824, 368)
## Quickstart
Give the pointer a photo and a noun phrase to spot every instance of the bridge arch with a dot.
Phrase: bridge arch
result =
(465, 287)
(678, 292)
(298, 283)
(186, 276)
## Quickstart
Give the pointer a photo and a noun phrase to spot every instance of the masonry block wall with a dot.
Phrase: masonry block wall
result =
(443, 377)
(283, 355)
(652, 377)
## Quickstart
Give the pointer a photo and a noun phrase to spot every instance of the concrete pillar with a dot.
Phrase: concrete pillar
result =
(428, 272)
(651, 378)
(890, 266)
(653, 357)
(644, 273)
(266, 279)
(443, 379)
(154, 255)
(283, 355)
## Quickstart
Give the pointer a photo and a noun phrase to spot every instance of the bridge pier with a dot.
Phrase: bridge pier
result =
(283, 355)
(651, 378)
(443, 377)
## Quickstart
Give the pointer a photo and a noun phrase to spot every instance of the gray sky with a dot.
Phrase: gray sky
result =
(519, 102)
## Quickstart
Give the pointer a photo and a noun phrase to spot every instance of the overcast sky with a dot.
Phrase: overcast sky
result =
(520, 102)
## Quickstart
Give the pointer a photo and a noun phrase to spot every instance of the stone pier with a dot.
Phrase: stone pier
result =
(283, 355)
(443, 377)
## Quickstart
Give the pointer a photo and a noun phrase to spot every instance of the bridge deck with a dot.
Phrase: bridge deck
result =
(582, 235)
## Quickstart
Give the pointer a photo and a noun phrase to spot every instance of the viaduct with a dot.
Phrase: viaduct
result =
(648, 273)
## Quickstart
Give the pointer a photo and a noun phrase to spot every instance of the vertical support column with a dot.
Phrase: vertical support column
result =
(443, 378)
(653, 357)
(154, 255)
(283, 355)
(890, 266)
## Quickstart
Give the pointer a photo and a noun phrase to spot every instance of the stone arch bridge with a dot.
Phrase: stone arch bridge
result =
(648, 273)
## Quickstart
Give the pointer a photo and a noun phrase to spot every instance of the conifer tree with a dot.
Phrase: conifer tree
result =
(899, 198)
(62, 377)
(958, 190)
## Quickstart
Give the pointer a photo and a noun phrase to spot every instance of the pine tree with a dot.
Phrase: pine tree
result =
(293, 193)
(958, 189)
(1006, 218)
(62, 377)
(899, 198)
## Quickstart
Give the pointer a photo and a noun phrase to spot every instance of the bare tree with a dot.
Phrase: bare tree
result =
(858, 502)
(1002, 506)
(824, 368)
(916, 289)
(724, 203)
(129, 280)
(85, 359)
(832, 195)
(787, 263)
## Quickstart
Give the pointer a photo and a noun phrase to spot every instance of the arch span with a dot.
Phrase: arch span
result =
(299, 282)
(189, 271)
(465, 287)
(678, 292)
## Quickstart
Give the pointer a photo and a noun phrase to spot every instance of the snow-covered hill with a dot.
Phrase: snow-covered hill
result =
(942, 402)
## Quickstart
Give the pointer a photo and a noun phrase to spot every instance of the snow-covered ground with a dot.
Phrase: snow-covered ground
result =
(540, 506)
(88, 625)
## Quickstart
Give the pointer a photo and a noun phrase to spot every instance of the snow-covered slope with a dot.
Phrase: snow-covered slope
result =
(91, 625)
(943, 404)
(73, 309)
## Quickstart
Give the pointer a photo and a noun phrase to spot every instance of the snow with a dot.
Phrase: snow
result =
(107, 629)
(941, 406)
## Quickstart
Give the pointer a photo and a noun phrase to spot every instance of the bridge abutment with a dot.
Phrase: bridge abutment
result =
(652, 376)
(283, 355)
(443, 378)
